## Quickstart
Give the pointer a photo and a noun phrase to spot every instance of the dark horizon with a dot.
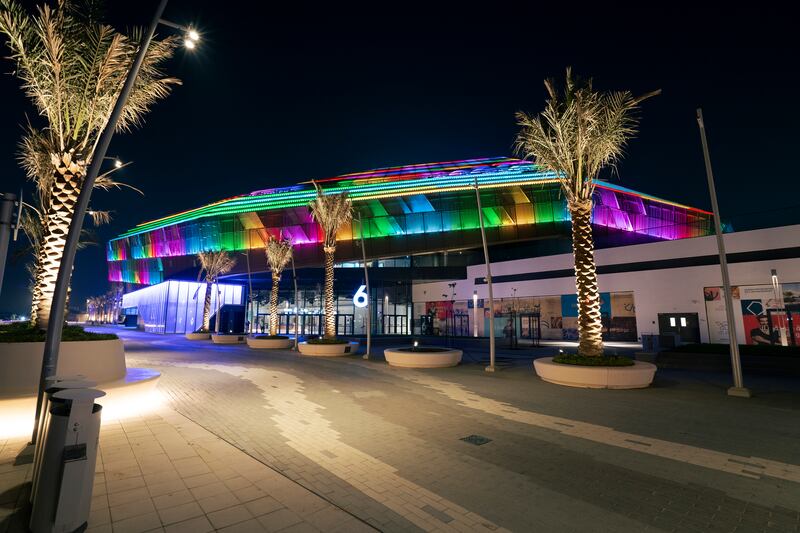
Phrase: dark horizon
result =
(285, 96)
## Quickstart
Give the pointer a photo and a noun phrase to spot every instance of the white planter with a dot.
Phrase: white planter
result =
(222, 338)
(638, 376)
(198, 336)
(21, 363)
(406, 359)
(273, 344)
(327, 350)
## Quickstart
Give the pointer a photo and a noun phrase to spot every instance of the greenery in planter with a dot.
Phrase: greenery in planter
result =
(25, 332)
(582, 360)
(326, 340)
(744, 349)
(424, 349)
(272, 337)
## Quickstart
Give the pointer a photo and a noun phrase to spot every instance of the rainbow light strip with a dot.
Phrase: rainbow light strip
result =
(233, 224)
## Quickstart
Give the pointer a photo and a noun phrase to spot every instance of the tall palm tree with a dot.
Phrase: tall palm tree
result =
(72, 67)
(580, 132)
(212, 266)
(279, 253)
(331, 212)
(32, 225)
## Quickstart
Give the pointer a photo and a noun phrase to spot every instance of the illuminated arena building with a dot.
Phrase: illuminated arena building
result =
(420, 228)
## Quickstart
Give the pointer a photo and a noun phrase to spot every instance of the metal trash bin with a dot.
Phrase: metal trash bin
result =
(53, 385)
(67, 464)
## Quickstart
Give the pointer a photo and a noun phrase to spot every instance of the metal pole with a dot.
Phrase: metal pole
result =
(781, 306)
(738, 388)
(250, 293)
(6, 213)
(491, 367)
(57, 311)
(296, 307)
(366, 282)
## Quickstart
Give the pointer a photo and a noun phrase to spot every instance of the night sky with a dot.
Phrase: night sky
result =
(276, 97)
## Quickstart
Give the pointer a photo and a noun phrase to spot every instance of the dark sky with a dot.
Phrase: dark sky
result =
(279, 96)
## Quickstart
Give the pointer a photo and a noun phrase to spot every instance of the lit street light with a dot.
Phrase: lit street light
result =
(58, 308)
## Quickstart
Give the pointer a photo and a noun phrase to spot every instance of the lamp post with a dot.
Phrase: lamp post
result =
(366, 284)
(776, 289)
(296, 308)
(475, 313)
(57, 311)
(491, 367)
(738, 388)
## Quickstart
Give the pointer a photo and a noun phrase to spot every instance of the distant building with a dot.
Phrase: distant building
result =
(423, 246)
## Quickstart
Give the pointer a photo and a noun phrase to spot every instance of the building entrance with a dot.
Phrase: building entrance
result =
(685, 325)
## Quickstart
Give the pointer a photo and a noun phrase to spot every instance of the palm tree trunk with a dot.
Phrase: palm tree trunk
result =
(58, 216)
(330, 317)
(36, 291)
(590, 326)
(273, 305)
(207, 307)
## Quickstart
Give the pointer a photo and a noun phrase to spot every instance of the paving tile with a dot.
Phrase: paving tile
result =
(264, 505)
(179, 513)
(131, 509)
(219, 501)
(172, 499)
(229, 516)
(249, 526)
(137, 524)
(199, 524)
(278, 520)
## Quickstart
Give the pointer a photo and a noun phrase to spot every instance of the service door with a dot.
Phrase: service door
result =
(687, 325)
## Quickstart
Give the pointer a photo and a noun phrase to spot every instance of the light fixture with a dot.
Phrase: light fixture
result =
(193, 35)
(191, 39)
(188, 43)
(117, 163)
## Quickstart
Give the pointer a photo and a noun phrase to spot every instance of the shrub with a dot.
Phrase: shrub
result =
(582, 360)
(323, 340)
(24, 332)
(274, 337)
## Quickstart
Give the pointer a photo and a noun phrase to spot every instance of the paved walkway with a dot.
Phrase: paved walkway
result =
(383, 446)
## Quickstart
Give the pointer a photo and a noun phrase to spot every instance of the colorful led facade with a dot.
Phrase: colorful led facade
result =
(433, 204)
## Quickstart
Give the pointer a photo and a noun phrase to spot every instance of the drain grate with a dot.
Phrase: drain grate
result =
(477, 440)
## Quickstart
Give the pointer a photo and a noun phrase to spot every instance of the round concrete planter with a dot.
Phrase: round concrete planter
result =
(271, 344)
(422, 359)
(21, 363)
(222, 338)
(198, 336)
(327, 350)
(638, 376)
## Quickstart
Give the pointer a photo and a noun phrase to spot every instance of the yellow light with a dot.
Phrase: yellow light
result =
(193, 35)
(117, 163)
(189, 44)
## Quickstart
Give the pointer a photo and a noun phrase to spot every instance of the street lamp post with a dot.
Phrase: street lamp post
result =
(57, 311)
(781, 307)
(491, 367)
(738, 388)
(366, 284)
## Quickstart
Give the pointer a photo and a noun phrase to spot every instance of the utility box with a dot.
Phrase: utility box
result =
(65, 477)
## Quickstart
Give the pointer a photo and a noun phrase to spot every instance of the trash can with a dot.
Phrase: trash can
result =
(53, 385)
(69, 454)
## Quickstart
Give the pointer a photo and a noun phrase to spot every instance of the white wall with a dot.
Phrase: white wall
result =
(655, 291)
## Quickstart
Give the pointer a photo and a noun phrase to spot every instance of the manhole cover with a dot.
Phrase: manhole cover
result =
(477, 440)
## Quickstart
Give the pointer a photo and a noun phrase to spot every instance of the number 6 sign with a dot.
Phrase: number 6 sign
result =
(360, 297)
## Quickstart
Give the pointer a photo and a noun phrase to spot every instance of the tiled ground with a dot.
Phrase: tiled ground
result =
(162, 472)
(384, 445)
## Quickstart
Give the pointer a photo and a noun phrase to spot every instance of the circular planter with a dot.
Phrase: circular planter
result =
(222, 338)
(198, 336)
(327, 350)
(638, 376)
(405, 358)
(21, 363)
(273, 344)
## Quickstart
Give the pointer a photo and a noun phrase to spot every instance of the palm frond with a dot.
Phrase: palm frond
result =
(579, 132)
(215, 264)
(331, 212)
(279, 253)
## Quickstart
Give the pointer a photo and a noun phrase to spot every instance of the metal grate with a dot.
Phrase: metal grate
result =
(477, 440)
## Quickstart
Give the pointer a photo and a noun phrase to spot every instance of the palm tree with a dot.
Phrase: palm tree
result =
(212, 265)
(279, 253)
(331, 212)
(580, 132)
(72, 67)
(32, 225)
